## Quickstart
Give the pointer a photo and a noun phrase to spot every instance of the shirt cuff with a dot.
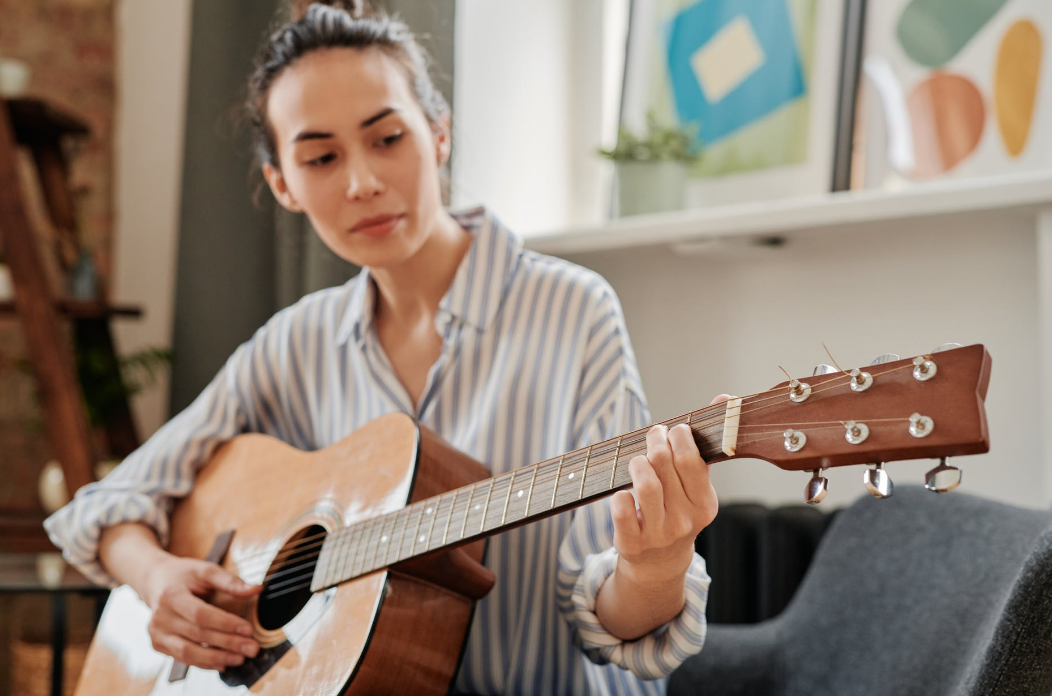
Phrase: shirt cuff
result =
(77, 528)
(659, 652)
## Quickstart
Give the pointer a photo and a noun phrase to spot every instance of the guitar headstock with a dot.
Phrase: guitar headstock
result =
(930, 406)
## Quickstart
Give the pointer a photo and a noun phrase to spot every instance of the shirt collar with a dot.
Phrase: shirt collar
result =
(477, 291)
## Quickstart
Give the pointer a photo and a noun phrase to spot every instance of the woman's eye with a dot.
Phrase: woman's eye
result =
(318, 161)
(392, 139)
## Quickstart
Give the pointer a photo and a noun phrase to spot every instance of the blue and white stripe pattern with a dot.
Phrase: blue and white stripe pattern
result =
(536, 362)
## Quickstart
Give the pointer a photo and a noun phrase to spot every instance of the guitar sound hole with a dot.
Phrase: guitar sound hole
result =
(287, 589)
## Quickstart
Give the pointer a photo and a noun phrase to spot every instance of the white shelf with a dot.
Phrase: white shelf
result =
(1022, 192)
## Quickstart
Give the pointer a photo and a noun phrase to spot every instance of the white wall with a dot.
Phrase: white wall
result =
(153, 41)
(723, 321)
(529, 109)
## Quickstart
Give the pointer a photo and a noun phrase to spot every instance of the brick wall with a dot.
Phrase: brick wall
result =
(69, 46)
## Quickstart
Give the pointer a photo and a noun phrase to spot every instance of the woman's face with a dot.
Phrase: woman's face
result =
(356, 154)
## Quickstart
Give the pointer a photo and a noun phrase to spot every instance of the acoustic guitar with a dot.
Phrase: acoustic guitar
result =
(370, 550)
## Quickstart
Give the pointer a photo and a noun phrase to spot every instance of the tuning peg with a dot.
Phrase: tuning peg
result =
(877, 481)
(824, 370)
(947, 346)
(886, 358)
(816, 489)
(943, 478)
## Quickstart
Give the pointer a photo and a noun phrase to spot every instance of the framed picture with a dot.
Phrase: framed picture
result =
(760, 81)
(953, 90)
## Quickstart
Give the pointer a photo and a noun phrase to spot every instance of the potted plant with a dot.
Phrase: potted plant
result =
(651, 169)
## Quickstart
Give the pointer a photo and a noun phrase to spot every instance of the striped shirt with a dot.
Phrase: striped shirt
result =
(535, 362)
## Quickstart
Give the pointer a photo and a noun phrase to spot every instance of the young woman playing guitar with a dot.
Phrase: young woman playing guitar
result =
(510, 356)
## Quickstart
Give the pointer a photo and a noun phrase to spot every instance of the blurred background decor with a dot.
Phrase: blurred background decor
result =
(651, 169)
(953, 90)
(759, 77)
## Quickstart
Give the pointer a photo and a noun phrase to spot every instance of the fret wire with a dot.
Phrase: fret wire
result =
(467, 511)
(334, 564)
(558, 475)
(343, 543)
(374, 544)
(431, 527)
(584, 473)
(452, 506)
(617, 453)
(352, 562)
(327, 571)
(359, 558)
(390, 538)
(405, 528)
(569, 477)
(533, 480)
(412, 548)
(485, 508)
(367, 533)
(507, 499)
(382, 520)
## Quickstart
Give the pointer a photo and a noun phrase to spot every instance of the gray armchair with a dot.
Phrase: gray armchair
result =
(916, 595)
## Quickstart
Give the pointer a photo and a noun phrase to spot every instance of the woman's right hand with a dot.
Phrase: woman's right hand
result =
(187, 627)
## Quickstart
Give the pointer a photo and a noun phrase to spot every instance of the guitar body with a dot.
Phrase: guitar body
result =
(391, 631)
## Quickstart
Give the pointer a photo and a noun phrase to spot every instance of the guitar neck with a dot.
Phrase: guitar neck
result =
(500, 503)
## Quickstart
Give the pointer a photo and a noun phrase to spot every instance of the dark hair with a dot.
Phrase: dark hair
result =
(335, 24)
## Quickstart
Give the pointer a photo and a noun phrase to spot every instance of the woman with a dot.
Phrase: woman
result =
(511, 356)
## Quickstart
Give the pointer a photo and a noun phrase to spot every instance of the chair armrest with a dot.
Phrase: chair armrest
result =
(742, 660)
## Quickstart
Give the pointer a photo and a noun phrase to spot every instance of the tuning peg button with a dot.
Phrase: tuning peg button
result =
(816, 489)
(886, 358)
(824, 370)
(921, 426)
(877, 481)
(943, 478)
(924, 368)
(860, 381)
(856, 432)
(794, 440)
(799, 391)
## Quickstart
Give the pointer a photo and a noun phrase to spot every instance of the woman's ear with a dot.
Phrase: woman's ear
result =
(442, 140)
(280, 189)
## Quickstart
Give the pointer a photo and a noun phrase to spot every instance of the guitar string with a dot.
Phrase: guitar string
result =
(363, 528)
(713, 425)
(369, 567)
(367, 529)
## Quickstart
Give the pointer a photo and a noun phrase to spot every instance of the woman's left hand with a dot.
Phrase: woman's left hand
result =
(655, 544)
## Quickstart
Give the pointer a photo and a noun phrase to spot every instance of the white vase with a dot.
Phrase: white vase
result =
(7, 289)
(649, 187)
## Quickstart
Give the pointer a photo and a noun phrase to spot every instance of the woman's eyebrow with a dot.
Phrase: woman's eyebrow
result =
(319, 135)
(379, 115)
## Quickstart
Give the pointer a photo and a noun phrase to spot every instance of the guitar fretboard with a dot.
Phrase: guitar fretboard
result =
(496, 504)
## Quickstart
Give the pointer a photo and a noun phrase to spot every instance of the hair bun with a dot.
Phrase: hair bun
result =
(355, 8)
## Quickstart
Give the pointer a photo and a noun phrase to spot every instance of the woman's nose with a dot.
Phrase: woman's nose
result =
(362, 182)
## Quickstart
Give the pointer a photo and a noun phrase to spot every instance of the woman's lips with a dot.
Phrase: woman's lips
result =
(379, 226)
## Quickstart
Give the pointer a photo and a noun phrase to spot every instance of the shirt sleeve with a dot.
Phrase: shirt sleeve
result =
(611, 402)
(244, 396)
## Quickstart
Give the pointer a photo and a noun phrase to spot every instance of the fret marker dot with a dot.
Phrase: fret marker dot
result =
(477, 506)
(421, 539)
(571, 475)
(520, 494)
(427, 511)
(383, 539)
